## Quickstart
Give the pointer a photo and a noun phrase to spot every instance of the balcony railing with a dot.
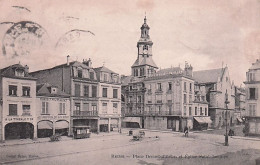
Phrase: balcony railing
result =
(85, 113)
(162, 113)
(133, 113)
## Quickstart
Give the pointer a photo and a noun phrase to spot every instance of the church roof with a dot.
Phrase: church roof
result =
(208, 76)
(145, 61)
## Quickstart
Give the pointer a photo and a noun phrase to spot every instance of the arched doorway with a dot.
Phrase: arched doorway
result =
(45, 129)
(62, 127)
(21, 130)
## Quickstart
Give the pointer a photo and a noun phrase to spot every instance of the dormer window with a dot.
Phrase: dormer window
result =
(80, 73)
(91, 75)
(19, 72)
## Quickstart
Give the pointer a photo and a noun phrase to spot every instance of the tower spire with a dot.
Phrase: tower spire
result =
(145, 17)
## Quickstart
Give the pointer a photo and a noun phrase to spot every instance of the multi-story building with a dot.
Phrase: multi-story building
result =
(240, 109)
(163, 99)
(252, 100)
(53, 111)
(80, 82)
(217, 82)
(133, 86)
(109, 99)
(17, 103)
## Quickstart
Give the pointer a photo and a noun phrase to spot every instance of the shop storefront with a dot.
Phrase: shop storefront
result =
(201, 122)
(21, 130)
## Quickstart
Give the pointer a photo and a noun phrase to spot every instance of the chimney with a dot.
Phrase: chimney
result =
(89, 63)
(26, 69)
(68, 60)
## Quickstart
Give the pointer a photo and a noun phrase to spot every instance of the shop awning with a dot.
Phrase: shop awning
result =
(61, 125)
(203, 119)
(45, 125)
(239, 119)
(132, 119)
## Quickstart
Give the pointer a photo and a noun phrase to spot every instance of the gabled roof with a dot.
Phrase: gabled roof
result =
(10, 72)
(145, 61)
(208, 76)
(104, 69)
(45, 90)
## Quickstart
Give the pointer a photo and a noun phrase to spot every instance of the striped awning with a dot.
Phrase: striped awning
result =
(45, 125)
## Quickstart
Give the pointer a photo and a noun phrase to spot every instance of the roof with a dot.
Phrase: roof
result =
(172, 70)
(255, 65)
(104, 69)
(208, 76)
(130, 79)
(144, 61)
(45, 90)
(9, 72)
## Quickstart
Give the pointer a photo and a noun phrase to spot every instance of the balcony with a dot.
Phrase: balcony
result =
(85, 113)
(162, 113)
(133, 113)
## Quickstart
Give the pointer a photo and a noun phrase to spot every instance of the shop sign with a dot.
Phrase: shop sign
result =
(19, 119)
(52, 117)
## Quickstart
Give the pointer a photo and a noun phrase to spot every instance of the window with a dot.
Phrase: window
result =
(189, 111)
(12, 90)
(196, 111)
(77, 89)
(130, 87)
(94, 91)
(190, 87)
(190, 98)
(105, 77)
(104, 93)
(159, 109)
(45, 108)
(77, 107)
(130, 99)
(86, 90)
(252, 109)
(169, 86)
(201, 113)
(115, 95)
(26, 91)
(139, 99)
(253, 93)
(91, 75)
(251, 76)
(115, 107)
(19, 73)
(62, 108)
(184, 86)
(104, 107)
(12, 109)
(159, 86)
(80, 73)
(185, 98)
(85, 107)
(184, 111)
(26, 110)
(206, 112)
(94, 107)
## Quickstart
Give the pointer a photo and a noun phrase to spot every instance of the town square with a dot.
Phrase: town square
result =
(129, 82)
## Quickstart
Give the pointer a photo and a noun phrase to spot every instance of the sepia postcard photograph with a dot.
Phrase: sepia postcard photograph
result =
(130, 82)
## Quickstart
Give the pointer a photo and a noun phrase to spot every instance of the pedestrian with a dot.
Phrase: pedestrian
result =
(186, 131)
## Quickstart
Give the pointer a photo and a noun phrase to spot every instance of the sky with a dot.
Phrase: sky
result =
(208, 34)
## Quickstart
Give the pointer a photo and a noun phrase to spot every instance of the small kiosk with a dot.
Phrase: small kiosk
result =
(81, 132)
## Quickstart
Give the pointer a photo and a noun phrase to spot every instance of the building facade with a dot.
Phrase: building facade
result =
(53, 111)
(109, 99)
(252, 84)
(163, 99)
(17, 106)
(217, 82)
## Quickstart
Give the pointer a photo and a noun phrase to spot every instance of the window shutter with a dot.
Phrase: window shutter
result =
(256, 93)
(47, 108)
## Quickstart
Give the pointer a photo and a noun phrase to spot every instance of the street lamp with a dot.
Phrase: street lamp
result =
(226, 102)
